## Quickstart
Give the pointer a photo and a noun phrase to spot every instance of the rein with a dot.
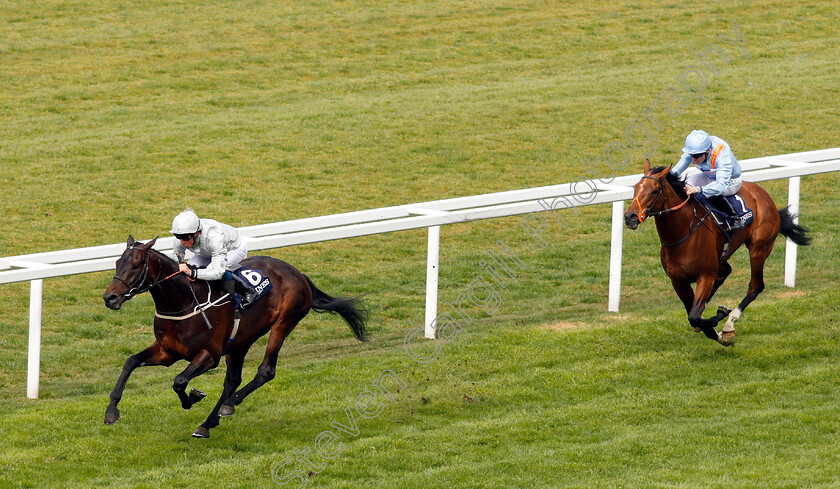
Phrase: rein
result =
(691, 230)
(138, 289)
(644, 214)
(199, 307)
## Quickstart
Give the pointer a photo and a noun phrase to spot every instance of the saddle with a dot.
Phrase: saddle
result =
(730, 213)
(250, 285)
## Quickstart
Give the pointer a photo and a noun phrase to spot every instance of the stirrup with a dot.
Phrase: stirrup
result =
(734, 223)
(247, 299)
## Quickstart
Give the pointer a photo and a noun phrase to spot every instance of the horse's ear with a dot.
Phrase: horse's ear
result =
(130, 241)
(151, 243)
(647, 166)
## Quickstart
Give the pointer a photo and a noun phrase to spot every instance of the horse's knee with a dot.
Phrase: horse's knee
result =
(233, 380)
(266, 374)
(133, 362)
(180, 384)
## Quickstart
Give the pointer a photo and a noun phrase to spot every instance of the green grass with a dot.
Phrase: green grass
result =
(117, 117)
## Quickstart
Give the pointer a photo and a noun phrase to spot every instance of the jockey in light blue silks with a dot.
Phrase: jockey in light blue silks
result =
(217, 250)
(720, 173)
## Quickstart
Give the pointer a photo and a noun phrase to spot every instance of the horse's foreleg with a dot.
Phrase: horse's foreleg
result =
(684, 292)
(723, 272)
(705, 285)
(233, 378)
(202, 362)
(153, 355)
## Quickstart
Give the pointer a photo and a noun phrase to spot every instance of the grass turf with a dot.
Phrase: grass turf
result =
(118, 116)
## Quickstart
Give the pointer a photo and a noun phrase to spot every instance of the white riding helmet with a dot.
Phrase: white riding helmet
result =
(186, 222)
(697, 142)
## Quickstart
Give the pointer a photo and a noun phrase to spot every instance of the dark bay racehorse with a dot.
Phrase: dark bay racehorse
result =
(693, 245)
(181, 332)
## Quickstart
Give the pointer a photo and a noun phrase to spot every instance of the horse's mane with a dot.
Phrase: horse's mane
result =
(162, 256)
(677, 182)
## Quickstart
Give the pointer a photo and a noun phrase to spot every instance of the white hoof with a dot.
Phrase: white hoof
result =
(734, 316)
(725, 338)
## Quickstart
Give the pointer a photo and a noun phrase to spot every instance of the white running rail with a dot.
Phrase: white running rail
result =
(36, 267)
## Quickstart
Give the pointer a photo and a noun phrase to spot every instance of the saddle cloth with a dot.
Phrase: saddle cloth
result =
(745, 214)
(256, 279)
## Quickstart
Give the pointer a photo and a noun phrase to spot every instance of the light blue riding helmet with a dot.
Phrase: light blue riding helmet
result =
(697, 142)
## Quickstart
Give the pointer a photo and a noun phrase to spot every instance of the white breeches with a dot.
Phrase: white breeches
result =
(701, 179)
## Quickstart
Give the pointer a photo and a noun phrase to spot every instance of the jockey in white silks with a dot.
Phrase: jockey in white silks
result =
(720, 173)
(218, 251)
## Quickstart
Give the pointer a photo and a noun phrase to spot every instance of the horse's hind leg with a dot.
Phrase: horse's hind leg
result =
(758, 255)
(265, 372)
(202, 362)
(153, 355)
(233, 378)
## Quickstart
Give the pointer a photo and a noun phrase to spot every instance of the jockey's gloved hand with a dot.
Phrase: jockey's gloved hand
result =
(193, 272)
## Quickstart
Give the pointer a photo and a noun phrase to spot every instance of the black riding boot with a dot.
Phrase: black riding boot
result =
(229, 286)
(722, 203)
(250, 294)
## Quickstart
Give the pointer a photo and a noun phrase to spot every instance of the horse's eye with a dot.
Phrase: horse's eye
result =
(655, 191)
(136, 265)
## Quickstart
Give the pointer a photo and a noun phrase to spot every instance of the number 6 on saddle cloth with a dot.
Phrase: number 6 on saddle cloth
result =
(252, 283)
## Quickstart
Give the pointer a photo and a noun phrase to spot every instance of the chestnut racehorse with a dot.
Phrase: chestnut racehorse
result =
(694, 247)
(200, 332)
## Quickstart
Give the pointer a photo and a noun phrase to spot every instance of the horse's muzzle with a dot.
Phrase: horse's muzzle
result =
(631, 220)
(112, 301)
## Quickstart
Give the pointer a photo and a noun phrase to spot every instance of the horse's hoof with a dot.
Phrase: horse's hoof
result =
(696, 329)
(196, 395)
(734, 316)
(226, 410)
(112, 417)
(725, 338)
(201, 432)
(723, 311)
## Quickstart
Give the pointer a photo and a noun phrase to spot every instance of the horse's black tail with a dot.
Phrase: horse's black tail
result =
(791, 230)
(352, 309)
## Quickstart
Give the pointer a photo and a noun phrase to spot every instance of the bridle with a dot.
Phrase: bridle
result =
(645, 213)
(138, 288)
